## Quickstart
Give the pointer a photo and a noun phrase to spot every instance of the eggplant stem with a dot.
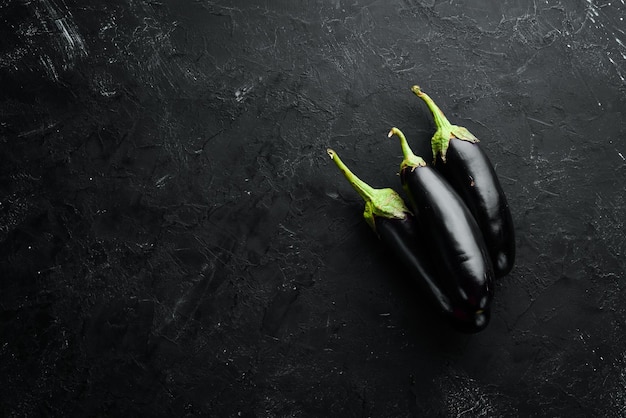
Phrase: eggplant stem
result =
(366, 191)
(440, 118)
(410, 159)
(384, 203)
(445, 130)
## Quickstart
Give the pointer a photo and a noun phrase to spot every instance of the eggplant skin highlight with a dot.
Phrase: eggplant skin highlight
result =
(459, 158)
(459, 250)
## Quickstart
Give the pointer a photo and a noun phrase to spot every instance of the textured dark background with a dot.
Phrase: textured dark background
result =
(175, 241)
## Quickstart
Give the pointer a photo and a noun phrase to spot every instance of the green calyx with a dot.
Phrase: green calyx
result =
(384, 203)
(410, 160)
(445, 130)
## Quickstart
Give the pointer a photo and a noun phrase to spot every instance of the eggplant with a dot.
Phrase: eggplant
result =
(460, 253)
(395, 225)
(463, 163)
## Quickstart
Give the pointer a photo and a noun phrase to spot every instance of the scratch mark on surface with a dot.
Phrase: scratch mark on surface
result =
(38, 131)
(592, 10)
(619, 73)
(540, 122)
(548, 192)
(161, 182)
(240, 93)
(73, 38)
(71, 43)
(605, 22)
(49, 67)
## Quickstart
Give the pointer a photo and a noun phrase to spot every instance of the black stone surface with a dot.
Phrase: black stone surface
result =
(174, 240)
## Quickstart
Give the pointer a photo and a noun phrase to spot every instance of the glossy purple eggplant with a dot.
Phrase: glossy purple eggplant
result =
(463, 163)
(460, 252)
(393, 222)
